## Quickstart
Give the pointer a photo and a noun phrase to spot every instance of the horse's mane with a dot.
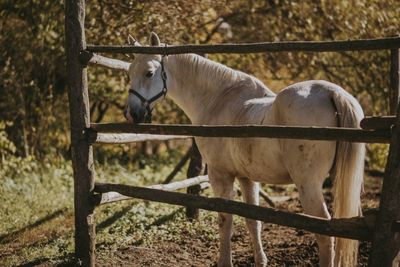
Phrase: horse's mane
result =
(213, 74)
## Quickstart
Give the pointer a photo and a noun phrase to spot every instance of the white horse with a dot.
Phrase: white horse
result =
(211, 93)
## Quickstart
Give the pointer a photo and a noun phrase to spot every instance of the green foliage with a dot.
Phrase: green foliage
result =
(7, 148)
(365, 74)
(32, 73)
(377, 156)
(12, 165)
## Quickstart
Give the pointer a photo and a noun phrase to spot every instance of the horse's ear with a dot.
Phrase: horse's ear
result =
(132, 41)
(154, 40)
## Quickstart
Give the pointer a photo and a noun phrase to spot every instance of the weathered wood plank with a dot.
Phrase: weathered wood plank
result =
(181, 184)
(94, 59)
(359, 228)
(304, 46)
(82, 154)
(386, 243)
(115, 196)
(178, 166)
(394, 93)
(267, 198)
(120, 138)
(377, 123)
(240, 131)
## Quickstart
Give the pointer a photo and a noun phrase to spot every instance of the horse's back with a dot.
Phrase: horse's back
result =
(306, 103)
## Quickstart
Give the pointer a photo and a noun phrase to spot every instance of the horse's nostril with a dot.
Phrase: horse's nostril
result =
(133, 115)
(137, 116)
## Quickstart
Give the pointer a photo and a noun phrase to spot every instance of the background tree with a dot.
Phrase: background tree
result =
(33, 98)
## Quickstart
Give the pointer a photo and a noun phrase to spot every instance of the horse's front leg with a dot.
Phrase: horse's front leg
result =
(250, 192)
(222, 185)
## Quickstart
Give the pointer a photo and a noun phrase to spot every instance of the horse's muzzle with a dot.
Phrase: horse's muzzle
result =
(136, 115)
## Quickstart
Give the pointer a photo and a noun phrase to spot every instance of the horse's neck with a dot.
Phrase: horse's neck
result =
(194, 84)
(198, 85)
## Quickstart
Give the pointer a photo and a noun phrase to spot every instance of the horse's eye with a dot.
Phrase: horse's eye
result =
(149, 74)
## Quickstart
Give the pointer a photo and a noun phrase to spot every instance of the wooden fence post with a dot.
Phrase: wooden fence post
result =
(82, 154)
(394, 93)
(386, 242)
(195, 168)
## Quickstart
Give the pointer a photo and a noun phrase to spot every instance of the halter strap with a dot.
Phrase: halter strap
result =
(147, 102)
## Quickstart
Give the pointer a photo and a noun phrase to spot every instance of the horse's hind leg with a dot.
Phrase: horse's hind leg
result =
(222, 185)
(250, 192)
(308, 163)
(313, 203)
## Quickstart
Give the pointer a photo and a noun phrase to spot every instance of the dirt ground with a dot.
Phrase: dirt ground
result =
(284, 246)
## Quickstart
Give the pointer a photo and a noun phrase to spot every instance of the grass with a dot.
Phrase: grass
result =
(31, 203)
(36, 207)
(36, 211)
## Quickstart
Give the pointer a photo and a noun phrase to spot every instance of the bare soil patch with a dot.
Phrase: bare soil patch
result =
(284, 246)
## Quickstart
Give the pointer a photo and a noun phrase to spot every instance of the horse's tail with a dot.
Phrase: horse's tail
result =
(348, 174)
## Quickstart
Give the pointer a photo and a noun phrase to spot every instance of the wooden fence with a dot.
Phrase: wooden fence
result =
(380, 227)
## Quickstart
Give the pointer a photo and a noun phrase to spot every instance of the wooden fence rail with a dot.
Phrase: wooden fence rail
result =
(377, 123)
(304, 46)
(359, 228)
(91, 58)
(240, 131)
(110, 197)
(118, 138)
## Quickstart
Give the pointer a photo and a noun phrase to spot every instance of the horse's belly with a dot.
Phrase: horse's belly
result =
(260, 160)
(255, 158)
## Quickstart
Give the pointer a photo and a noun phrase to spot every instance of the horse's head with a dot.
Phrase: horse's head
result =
(148, 83)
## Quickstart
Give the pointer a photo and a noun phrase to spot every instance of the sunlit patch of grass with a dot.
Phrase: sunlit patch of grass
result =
(30, 196)
(36, 208)
(49, 240)
(146, 222)
(37, 223)
(36, 211)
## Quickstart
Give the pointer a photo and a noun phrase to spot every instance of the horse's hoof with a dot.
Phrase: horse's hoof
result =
(225, 264)
(262, 262)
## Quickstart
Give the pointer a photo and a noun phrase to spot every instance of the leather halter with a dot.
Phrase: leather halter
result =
(147, 102)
